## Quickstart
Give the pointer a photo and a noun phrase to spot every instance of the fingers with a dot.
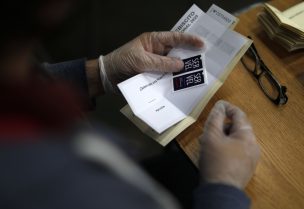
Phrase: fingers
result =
(174, 39)
(240, 128)
(239, 121)
(223, 111)
(157, 44)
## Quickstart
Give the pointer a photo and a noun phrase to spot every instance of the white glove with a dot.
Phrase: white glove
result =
(142, 54)
(229, 151)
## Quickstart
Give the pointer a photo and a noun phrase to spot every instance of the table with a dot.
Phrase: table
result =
(279, 178)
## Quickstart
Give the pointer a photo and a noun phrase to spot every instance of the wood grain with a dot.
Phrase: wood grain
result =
(279, 178)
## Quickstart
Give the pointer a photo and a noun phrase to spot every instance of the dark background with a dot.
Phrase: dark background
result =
(98, 27)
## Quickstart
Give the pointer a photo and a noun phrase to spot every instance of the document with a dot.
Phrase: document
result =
(163, 113)
(296, 14)
(286, 28)
(291, 18)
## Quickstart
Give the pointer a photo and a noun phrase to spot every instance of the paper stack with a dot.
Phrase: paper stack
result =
(287, 27)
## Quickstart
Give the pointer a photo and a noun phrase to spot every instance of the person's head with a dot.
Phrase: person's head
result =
(22, 24)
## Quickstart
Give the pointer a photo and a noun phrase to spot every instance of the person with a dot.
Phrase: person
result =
(51, 158)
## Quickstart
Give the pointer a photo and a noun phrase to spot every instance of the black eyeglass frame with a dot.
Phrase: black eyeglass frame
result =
(259, 64)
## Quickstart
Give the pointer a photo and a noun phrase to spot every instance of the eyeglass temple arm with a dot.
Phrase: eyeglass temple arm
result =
(254, 48)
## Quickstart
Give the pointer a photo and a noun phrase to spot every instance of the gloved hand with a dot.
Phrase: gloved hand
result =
(229, 151)
(144, 53)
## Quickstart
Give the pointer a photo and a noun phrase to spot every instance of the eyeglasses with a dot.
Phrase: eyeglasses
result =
(269, 84)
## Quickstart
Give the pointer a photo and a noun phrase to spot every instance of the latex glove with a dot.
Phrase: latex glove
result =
(145, 53)
(229, 151)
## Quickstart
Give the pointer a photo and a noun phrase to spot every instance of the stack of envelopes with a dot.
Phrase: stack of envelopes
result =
(287, 27)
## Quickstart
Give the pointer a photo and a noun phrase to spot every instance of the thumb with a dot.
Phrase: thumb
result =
(238, 118)
(216, 119)
(163, 63)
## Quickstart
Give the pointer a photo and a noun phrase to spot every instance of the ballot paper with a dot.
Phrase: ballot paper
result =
(163, 113)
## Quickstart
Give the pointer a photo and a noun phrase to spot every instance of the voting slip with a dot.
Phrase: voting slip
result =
(192, 75)
(161, 108)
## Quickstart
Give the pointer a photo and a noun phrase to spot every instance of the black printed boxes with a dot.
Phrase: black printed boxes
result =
(193, 74)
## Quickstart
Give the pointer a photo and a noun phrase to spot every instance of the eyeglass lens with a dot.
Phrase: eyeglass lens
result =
(269, 86)
(267, 83)
(250, 60)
